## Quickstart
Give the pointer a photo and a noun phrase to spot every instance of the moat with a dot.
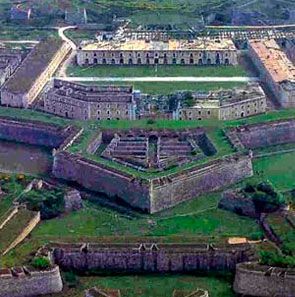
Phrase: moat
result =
(22, 158)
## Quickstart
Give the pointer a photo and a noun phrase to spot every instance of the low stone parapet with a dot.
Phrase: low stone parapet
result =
(252, 279)
(27, 282)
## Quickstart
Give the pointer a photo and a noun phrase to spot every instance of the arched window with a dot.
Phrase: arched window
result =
(130, 61)
(226, 61)
(191, 61)
(200, 62)
(209, 61)
(174, 61)
(95, 61)
(139, 61)
(113, 61)
(182, 61)
(121, 61)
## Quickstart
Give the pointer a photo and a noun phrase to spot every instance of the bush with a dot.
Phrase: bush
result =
(41, 263)
(151, 121)
(275, 259)
(264, 196)
(71, 279)
(49, 203)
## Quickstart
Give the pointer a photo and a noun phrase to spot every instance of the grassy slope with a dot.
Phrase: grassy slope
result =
(278, 169)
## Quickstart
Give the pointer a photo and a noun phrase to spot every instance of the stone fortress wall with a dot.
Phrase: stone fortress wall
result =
(262, 135)
(258, 280)
(188, 184)
(34, 132)
(155, 194)
(26, 282)
(150, 258)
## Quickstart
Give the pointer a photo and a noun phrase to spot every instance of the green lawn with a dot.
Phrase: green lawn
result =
(278, 169)
(199, 217)
(155, 286)
(155, 71)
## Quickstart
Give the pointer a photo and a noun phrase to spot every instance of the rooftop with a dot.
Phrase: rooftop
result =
(33, 65)
(92, 93)
(171, 45)
(215, 99)
(274, 59)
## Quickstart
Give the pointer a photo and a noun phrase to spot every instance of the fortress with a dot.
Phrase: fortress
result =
(275, 69)
(224, 105)
(25, 282)
(151, 52)
(77, 101)
(150, 258)
(9, 61)
(252, 279)
(23, 87)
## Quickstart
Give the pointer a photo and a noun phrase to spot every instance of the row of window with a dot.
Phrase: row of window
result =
(154, 61)
(147, 55)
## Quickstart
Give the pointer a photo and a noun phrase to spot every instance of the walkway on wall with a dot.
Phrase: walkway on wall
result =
(161, 79)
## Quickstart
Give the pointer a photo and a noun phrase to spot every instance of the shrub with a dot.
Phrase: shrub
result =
(41, 263)
(151, 121)
(276, 259)
(71, 279)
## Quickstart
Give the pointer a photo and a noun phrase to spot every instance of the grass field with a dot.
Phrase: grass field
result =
(156, 71)
(278, 169)
(155, 286)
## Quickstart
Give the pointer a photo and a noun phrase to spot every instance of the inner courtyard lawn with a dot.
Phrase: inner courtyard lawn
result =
(155, 71)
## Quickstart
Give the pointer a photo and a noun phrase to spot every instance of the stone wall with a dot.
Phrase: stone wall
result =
(188, 184)
(96, 177)
(150, 258)
(256, 280)
(157, 194)
(33, 132)
(236, 201)
(263, 135)
(25, 282)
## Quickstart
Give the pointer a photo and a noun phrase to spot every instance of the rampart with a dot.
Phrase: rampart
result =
(158, 193)
(35, 133)
(263, 135)
(26, 282)
(257, 280)
(150, 258)
(96, 177)
(187, 184)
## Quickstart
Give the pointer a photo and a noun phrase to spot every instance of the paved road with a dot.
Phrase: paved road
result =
(70, 58)
(20, 41)
(162, 79)
(61, 33)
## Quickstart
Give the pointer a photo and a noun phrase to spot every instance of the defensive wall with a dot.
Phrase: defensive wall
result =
(156, 194)
(262, 135)
(35, 133)
(264, 281)
(27, 282)
(150, 258)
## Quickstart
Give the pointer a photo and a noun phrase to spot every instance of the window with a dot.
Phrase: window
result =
(208, 112)
(113, 61)
(104, 61)
(182, 61)
(95, 61)
(121, 61)
(174, 61)
(191, 61)
(156, 61)
(139, 61)
(200, 62)
(130, 61)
